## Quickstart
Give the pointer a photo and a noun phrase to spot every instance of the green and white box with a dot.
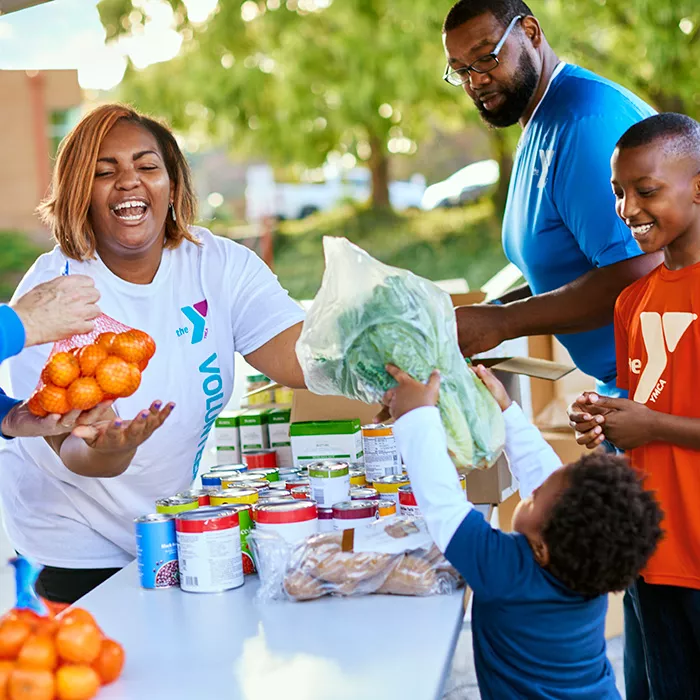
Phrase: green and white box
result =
(328, 439)
(252, 425)
(228, 438)
(278, 434)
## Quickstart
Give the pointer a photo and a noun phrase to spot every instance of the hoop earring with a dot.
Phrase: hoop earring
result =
(172, 212)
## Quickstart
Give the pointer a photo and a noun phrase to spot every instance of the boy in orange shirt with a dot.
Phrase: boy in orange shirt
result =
(656, 180)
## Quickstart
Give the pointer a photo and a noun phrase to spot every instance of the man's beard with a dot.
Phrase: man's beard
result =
(516, 98)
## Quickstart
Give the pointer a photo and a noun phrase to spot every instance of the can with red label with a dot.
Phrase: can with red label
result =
(202, 495)
(260, 459)
(407, 501)
(325, 519)
(292, 520)
(294, 481)
(352, 514)
(301, 492)
(209, 550)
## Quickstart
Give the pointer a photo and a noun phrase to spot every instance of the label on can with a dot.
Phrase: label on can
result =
(388, 486)
(386, 508)
(407, 501)
(330, 482)
(209, 551)
(156, 550)
(381, 453)
(176, 504)
(235, 495)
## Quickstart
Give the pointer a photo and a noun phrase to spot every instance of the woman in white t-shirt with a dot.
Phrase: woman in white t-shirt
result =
(120, 209)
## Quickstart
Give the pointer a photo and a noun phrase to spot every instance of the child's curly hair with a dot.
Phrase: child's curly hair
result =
(604, 527)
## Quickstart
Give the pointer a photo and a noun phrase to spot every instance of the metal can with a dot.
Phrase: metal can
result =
(279, 486)
(386, 508)
(260, 459)
(245, 521)
(330, 482)
(274, 498)
(463, 482)
(357, 476)
(156, 550)
(297, 481)
(325, 520)
(209, 551)
(254, 475)
(176, 504)
(202, 495)
(407, 501)
(225, 497)
(215, 479)
(381, 453)
(286, 472)
(388, 486)
(352, 514)
(236, 468)
(302, 493)
(293, 520)
(363, 493)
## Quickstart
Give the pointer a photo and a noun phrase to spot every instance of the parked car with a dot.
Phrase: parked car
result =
(466, 185)
(299, 200)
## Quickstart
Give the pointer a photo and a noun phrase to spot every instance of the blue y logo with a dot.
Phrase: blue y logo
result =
(196, 315)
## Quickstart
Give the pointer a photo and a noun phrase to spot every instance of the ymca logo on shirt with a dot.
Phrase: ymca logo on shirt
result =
(661, 334)
(196, 315)
(546, 157)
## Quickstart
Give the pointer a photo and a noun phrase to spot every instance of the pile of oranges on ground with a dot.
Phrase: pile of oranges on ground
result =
(63, 656)
(81, 378)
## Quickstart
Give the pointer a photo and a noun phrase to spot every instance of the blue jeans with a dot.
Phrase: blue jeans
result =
(669, 619)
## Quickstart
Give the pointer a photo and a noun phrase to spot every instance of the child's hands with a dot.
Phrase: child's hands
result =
(498, 391)
(587, 418)
(628, 424)
(410, 393)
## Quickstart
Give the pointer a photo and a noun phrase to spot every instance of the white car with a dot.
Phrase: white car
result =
(465, 185)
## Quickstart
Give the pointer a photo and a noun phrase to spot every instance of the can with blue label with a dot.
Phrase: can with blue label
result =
(156, 550)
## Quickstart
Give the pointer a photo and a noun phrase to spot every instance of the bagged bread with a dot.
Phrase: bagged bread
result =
(393, 555)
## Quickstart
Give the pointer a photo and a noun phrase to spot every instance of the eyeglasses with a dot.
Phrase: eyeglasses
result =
(484, 64)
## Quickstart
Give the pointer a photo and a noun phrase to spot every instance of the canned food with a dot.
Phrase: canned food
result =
(252, 475)
(209, 551)
(297, 481)
(407, 501)
(325, 520)
(302, 493)
(247, 483)
(289, 471)
(225, 497)
(352, 514)
(214, 479)
(293, 520)
(245, 521)
(259, 474)
(330, 482)
(388, 486)
(278, 486)
(260, 459)
(357, 476)
(463, 482)
(386, 508)
(365, 493)
(176, 504)
(283, 395)
(156, 550)
(234, 468)
(381, 453)
(273, 498)
(202, 495)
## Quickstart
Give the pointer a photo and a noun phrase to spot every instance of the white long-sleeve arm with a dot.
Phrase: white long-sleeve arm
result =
(423, 446)
(530, 458)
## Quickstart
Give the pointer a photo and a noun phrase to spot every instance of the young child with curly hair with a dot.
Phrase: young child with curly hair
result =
(581, 531)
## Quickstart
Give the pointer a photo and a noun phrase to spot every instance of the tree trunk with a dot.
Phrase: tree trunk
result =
(379, 167)
(504, 156)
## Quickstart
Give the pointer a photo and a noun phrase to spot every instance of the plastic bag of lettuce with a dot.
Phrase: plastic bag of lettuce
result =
(366, 315)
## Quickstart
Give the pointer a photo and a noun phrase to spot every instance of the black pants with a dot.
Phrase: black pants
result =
(67, 585)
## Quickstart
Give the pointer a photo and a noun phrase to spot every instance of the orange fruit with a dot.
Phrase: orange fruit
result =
(130, 347)
(6, 668)
(76, 682)
(70, 615)
(142, 365)
(84, 393)
(53, 399)
(149, 343)
(62, 369)
(110, 662)
(35, 407)
(115, 376)
(105, 340)
(13, 634)
(30, 684)
(89, 357)
(78, 642)
(45, 375)
(38, 652)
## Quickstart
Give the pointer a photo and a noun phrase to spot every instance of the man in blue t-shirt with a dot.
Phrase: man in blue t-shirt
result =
(560, 227)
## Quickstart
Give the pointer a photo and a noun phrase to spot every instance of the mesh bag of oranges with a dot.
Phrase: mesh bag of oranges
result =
(50, 651)
(84, 370)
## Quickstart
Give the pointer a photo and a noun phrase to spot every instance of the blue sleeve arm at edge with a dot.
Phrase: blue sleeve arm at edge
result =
(11, 332)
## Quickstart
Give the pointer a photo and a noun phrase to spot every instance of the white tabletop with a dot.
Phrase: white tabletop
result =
(199, 646)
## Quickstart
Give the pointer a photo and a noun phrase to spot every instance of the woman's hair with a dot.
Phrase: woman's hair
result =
(65, 209)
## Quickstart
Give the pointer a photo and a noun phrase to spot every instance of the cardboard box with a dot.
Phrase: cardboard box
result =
(228, 438)
(322, 438)
(278, 420)
(252, 425)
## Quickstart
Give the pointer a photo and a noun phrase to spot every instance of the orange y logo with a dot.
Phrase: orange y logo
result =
(661, 335)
